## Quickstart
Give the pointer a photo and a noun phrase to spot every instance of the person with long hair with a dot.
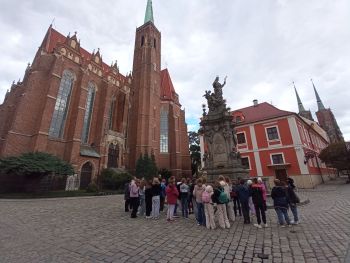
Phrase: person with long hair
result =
(259, 204)
(156, 191)
(280, 202)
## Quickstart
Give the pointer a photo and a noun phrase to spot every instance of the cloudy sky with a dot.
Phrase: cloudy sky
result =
(261, 45)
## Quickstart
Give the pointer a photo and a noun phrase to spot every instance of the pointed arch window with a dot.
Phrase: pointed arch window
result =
(164, 132)
(111, 113)
(61, 107)
(88, 112)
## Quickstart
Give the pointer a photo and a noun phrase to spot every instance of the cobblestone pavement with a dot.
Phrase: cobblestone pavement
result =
(98, 230)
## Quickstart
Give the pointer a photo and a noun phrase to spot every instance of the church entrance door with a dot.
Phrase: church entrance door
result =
(281, 174)
(85, 175)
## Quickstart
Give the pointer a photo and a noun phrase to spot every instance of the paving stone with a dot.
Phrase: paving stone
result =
(97, 229)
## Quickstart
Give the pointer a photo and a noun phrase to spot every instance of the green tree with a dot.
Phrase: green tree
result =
(195, 151)
(337, 155)
(37, 164)
(146, 166)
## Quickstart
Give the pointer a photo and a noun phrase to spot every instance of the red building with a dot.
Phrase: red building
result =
(277, 144)
(75, 106)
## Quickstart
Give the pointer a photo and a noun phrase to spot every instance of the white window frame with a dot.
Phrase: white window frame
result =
(279, 153)
(278, 133)
(245, 137)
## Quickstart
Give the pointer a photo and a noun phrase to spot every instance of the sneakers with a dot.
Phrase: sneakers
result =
(257, 225)
(265, 225)
(283, 225)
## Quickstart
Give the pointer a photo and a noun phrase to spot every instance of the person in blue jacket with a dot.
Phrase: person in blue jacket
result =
(243, 195)
(280, 202)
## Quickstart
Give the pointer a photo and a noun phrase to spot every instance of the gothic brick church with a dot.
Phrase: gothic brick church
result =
(72, 104)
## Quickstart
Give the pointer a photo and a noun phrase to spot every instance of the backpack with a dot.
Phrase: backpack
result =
(223, 198)
(233, 194)
(206, 197)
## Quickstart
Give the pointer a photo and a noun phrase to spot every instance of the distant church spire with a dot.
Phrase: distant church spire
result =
(149, 12)
(319, 102)
(300, 104)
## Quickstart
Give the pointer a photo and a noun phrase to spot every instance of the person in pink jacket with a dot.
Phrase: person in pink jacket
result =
(263, 187)
(171, 194)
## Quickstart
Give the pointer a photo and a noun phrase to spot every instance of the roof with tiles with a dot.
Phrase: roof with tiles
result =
(54, 38)
(259, 112)
(167, 91)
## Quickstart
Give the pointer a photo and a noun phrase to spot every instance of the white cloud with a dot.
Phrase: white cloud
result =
(262, 46)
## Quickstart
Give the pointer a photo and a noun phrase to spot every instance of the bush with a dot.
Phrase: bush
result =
(113, 180)
(92, 188)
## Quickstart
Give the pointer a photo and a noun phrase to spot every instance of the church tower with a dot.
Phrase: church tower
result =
(302, 112)
(327, 120)
(144, 118)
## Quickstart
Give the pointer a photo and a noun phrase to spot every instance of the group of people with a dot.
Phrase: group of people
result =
(222, 201)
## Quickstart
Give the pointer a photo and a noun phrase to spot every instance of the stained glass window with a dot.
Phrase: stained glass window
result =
(88, 113)
(61, 107)
(164, 132)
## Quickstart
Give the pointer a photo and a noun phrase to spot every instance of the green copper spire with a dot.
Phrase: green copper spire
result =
(300, 105)
(149, 12)
(319, 102)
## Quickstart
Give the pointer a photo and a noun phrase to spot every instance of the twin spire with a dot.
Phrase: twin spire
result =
(300, 104)
(149, 12)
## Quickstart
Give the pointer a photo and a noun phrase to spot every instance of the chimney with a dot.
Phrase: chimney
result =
(255, 102)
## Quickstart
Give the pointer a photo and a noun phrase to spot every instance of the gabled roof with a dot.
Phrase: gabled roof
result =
(53, 38)
(167, 91)
(259, 112)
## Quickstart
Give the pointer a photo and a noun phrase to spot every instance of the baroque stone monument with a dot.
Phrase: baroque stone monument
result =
(221, 156)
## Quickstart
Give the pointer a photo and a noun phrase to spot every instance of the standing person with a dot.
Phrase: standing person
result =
(171, 193)
(229, 205)
(134, 197)
(197, 193)
(251, 205)
(244, 194)
(208, 207)
(142, 207)
(127, 196)
(148, 199)
(184, 191)
(156, 190)
(194, 203)
(280, 202)
(190, 196)
(264, 192)
(220, 198)
(259, 204)
(235, 198)
(293, 200)
(162, 194)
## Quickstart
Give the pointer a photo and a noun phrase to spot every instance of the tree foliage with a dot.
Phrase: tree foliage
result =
(36, 163)
(113, 180)
(146, 166)
(336, 155)
(195, 151)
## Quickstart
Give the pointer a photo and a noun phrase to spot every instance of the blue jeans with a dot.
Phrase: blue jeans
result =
(184, 206)
(201, 215)
(293, 208)
(282, 214)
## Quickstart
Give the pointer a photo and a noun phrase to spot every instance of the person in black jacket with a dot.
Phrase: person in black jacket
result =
(148, 199)
(259, 204)
(293, 200)
(280, 202)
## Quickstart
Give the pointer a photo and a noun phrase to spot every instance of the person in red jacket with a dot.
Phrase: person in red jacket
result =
(171, 194)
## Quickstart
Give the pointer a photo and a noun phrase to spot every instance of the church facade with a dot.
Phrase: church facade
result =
(72, 104)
